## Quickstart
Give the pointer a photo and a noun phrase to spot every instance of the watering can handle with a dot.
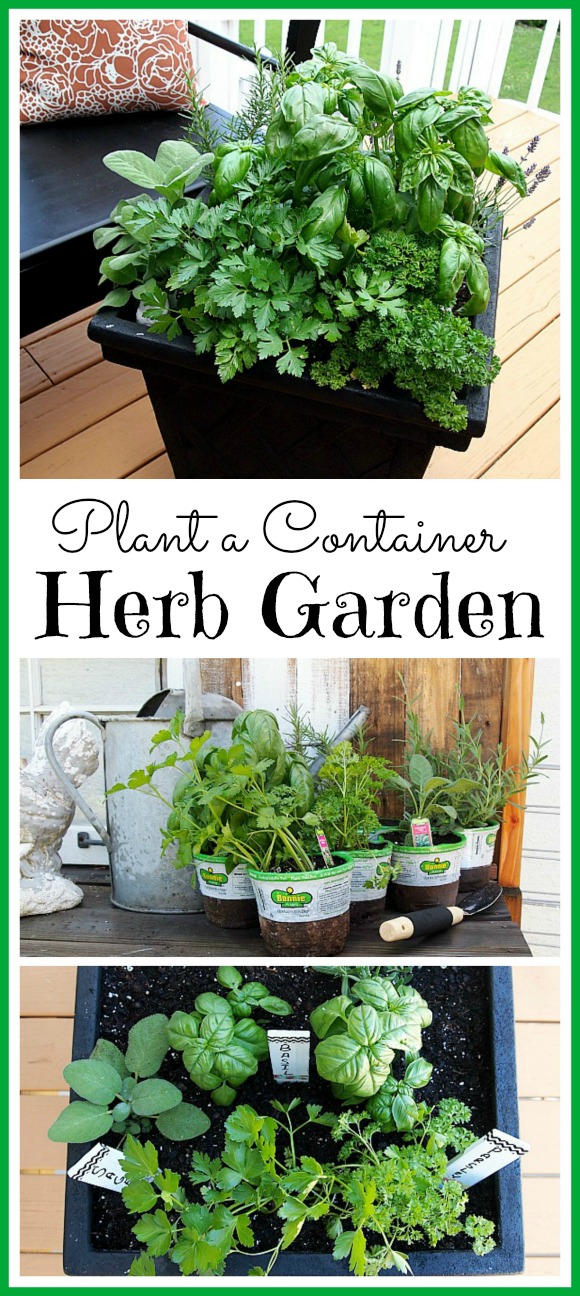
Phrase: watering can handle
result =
(193, 720)
(54, 762)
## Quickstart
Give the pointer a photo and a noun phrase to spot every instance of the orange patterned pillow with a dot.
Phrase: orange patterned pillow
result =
(83, 67)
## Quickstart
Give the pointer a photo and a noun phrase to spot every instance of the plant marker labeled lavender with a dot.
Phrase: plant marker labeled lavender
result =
(101, 1167)
(488, 1154)
(324, 849)
(289, 1055)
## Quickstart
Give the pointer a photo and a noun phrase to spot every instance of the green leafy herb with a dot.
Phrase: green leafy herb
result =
(122, 1093)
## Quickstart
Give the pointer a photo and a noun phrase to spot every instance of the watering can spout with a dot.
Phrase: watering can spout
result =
(348, 730)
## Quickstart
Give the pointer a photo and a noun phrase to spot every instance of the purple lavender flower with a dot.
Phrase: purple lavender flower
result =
(542, 175)
(505, 150)
(528, 224)
(533, 144)
(399, 68)
(530, 170)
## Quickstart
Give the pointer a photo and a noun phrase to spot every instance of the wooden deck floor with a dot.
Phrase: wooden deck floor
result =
(83, 417)
(47, 1008)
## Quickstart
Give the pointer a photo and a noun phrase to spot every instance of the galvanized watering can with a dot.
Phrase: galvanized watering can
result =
(141, 878)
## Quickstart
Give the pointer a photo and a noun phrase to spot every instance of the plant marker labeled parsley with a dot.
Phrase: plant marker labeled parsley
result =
(482, 1158)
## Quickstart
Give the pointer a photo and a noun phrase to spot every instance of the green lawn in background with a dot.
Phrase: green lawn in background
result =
(519, 67)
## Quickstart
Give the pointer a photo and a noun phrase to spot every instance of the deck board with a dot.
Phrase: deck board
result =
(83, 417)
(536, 998)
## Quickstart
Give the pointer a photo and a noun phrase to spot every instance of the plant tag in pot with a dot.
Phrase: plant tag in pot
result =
(421, 832)
(100, 1167)
(324, 849)
(289, 1054)
(488, 1154)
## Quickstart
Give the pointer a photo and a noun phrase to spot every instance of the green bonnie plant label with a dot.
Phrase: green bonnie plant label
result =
(435, 866)
(429, 867)
(291, 899)
(303, 897)
(215, 881)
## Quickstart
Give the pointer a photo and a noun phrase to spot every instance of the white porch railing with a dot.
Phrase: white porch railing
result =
(422, 49)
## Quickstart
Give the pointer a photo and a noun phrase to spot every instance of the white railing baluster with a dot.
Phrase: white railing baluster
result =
(501, 57)
(285, 25)
(388, 58)
(442, 53)
(424, 43)
(354, 36)
(544, 56)
(461, 71)
(403, 53)
(260, 33)
(490, 54)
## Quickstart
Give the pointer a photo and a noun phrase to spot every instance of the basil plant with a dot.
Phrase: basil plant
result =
(359, 1041)
(221, 1043)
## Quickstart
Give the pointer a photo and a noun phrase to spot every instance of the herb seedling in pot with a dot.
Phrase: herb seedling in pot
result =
(221, 1042)
(373, 1200)
(349, 785)
(480, 785)
(123, 1093)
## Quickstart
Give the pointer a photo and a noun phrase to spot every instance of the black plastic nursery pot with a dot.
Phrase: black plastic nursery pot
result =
(471, 1042)
(264, 424)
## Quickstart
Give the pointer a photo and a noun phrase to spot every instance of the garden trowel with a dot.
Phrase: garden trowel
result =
(427, 922)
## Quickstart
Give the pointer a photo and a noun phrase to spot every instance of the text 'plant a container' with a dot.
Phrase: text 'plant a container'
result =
(342, 275)
(346, 1173)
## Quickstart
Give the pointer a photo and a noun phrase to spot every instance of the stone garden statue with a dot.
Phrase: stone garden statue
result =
(46, 812)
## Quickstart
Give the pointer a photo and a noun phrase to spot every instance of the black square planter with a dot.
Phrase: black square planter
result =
(81, 1258)
(267, 425)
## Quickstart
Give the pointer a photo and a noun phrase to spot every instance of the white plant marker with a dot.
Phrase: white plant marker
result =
(289, 1055)
(101, 1167)
(488, 1154)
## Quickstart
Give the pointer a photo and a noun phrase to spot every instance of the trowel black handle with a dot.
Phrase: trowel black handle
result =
(425, 922)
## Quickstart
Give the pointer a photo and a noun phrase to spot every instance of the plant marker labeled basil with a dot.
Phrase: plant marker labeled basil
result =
(482, 1158)
(428, 922)
(289, 1055)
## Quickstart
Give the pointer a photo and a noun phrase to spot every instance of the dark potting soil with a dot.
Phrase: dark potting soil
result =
(306, 939)
(458, 1041)
(230, 913)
